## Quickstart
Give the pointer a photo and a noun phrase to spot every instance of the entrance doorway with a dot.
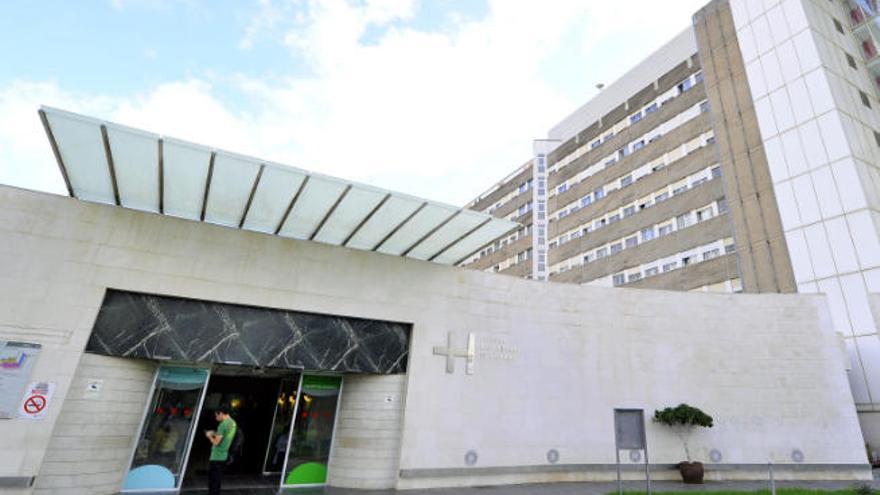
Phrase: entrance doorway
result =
(262, 403)
(287, 419)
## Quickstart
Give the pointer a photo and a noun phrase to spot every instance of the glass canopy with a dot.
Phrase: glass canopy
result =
(108, 163)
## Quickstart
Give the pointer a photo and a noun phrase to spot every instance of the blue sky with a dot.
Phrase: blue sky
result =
(438, 98)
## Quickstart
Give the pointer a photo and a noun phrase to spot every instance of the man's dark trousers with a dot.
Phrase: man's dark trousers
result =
(215, 472)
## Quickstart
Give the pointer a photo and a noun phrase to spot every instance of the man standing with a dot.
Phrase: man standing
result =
(220, 441)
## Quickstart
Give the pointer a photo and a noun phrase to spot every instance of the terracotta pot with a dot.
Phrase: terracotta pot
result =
(691, 472)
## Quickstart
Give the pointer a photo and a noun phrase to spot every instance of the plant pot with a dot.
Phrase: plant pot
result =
(691, 472)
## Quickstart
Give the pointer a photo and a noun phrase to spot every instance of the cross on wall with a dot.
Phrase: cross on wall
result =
(451, 353)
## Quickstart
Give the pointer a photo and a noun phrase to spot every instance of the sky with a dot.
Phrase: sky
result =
(436, 98)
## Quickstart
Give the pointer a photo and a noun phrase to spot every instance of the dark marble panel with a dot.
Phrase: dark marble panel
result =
(158, 327)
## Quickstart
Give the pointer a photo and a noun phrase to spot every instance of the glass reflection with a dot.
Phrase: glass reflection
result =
(313, 431)
(162, 446)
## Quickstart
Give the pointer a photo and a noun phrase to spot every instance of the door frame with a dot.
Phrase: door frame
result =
(275, 416)
(146, 410)
(282, 485)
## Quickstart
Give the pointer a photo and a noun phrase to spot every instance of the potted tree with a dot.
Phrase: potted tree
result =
(683, 419)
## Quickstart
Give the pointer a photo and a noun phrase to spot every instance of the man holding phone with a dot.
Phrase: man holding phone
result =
(220, 442)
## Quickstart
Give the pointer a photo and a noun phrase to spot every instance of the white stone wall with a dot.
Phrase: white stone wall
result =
(766, 366)
(366, 443)
(824, 162)
(95, 433)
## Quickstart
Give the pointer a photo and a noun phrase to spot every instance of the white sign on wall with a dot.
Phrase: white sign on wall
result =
(16, 363)
(35, 402)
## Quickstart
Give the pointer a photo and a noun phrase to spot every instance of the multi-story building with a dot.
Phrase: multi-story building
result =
(744, 155)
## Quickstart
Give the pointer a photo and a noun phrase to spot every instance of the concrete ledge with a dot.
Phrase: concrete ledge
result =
(566, 468)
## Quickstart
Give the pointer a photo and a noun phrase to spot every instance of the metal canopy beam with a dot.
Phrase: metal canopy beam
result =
(431, 232)
(475, 251)
(460, 238)
(109, 154)
(250, 200)
(399, 226)
(293, 200)
(208, 184)
(161, 176)
(54, 145)
(330, 212)
(366, 219)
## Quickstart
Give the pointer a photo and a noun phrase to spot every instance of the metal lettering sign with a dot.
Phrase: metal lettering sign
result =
(451, 353)
(16, 362)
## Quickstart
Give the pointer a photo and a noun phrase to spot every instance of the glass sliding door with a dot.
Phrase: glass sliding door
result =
(312, 436)
(276, 450)
(159, 459)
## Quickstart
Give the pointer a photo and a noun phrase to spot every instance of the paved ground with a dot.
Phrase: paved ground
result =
(550, 489)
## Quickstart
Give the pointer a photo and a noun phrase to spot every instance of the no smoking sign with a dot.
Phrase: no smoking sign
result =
(36, 399)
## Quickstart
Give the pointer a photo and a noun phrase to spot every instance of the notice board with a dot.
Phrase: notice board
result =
(16, 363)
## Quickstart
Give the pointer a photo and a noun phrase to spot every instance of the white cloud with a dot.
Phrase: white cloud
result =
(438, 114)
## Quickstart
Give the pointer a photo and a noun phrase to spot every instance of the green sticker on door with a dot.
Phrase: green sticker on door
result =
(313, 430)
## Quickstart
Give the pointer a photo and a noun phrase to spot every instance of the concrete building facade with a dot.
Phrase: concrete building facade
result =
(742, 156)
(533, 402)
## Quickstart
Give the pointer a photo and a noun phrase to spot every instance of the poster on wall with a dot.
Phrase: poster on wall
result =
(16, 363)
(35, 401)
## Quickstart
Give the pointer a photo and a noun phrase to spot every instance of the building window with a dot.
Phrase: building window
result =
(563, 214)
(632, 242)
(865, 100)
(613, 218)
(586, 200)
(650, 272)
(851, 61)
(685, 85)
(617, 279)
(716, 172)
(712, 253)
(704, 214)
(730, 248)
(680, 189)
(634, 277)
(837, 25)
(638, 145)
(562, 188)
(651, 108)
(625, 181)
(616, 247)
(629, 210)
(552, 245)
(661, 197)
(635, 118)
(722, 206)
(698, 77)
(595, 144)
(647, 234)
(601, 253)
(563, 239)
(683, 220)
(587, 258)
(664, 230)
(670, 266)
(575, 234)
(599, 193)
(704, 106)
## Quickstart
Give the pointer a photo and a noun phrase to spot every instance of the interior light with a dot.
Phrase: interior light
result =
(235, 403)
